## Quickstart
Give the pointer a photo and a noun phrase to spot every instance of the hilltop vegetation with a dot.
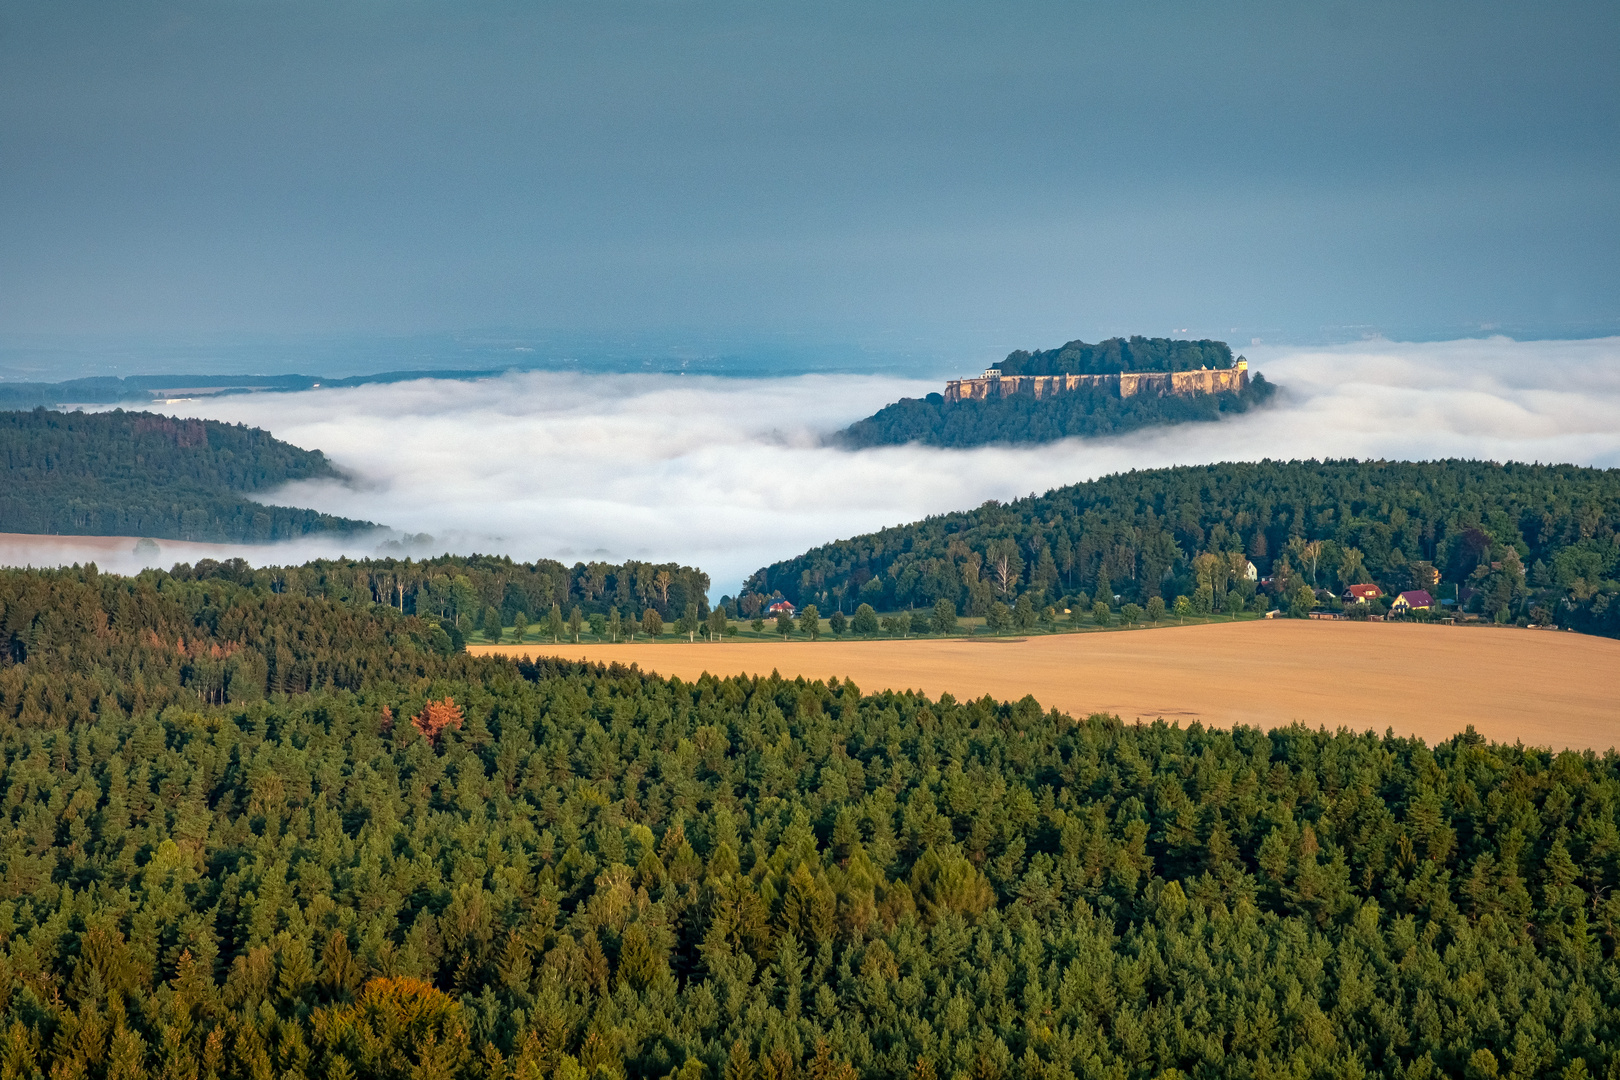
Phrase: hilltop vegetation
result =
(1534, 543)
(423, 864)
(1022, 418)
(1118, 355)
(139, 474)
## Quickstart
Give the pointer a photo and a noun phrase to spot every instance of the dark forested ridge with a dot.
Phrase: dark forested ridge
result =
(1117, 355)
(1514, 542)
(407, 863)
(139, 474)
(1024, 418)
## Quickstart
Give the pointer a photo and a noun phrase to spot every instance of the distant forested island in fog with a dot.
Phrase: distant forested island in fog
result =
(139, 474)
(1079, 389)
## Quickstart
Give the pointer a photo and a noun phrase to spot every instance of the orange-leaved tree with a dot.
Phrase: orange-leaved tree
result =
(436, 716)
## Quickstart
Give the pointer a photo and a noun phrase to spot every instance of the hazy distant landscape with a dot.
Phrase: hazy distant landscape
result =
(695, 468)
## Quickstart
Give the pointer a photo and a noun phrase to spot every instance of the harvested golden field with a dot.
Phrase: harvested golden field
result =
(1539, 687)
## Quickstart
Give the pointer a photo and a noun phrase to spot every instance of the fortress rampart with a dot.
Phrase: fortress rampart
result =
(1162, 383)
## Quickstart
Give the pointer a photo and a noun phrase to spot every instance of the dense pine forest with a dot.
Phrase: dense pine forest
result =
(1118, 355)
(1024, 418)
(380, 859)
(1514, 543)
(139, 474)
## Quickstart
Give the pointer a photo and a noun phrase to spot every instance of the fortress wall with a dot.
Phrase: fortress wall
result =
(1040, 386)
(1146, 382)
(1213, 381)
(1127, 385)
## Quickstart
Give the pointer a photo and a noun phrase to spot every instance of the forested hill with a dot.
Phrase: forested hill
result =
(1523, 542)
(1117, 355)
(1022, 418)
(401, 863)
(139, 474)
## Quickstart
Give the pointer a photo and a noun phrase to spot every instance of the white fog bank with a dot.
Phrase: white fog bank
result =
(729, 474)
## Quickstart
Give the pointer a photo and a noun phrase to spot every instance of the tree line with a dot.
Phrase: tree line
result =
(466, 593)
(1023, 418)
(140, 474)
(418, 863)
(1513, 542)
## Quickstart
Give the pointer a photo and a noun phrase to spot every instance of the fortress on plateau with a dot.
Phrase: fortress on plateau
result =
(1126, 367)
(1077, 390)
(993, 383)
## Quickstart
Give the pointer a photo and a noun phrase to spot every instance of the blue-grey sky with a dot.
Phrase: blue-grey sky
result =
(990, 175)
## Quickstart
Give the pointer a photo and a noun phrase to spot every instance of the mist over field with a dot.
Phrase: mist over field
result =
(731, 474)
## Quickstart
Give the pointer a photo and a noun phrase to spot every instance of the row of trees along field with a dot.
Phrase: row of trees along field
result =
(1529, 543)
(469, 592)
(426, 865)
(1024, 418)
(139, 474)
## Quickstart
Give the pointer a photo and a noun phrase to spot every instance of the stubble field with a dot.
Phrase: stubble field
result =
(1539, 687)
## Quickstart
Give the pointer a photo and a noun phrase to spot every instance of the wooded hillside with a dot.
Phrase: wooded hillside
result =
(139, 474)
(418, 864)
(1523, 542)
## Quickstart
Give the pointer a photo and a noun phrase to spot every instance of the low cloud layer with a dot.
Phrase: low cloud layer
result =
(730, 474)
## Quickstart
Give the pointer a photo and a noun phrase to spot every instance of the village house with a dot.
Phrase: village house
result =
(1361, 594)
(782, 607)
(1411, 600)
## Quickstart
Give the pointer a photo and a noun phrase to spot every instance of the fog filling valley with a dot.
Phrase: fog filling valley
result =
(732, 474)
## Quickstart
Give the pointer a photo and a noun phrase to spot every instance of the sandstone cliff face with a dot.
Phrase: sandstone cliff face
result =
(1209, 381)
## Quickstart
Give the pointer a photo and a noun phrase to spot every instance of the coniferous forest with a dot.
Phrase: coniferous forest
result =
(140, 474)
(1513, 543)
(252, 833)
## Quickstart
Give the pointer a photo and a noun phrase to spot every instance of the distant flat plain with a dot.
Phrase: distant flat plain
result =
(1542, 688)
(39, 549)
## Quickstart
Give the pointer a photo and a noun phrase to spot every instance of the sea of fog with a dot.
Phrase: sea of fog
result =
(730, 473)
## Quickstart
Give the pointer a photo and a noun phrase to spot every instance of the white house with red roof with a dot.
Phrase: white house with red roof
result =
(1361, 594)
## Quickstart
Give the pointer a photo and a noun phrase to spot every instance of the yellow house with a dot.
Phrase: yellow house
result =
(1411, 600)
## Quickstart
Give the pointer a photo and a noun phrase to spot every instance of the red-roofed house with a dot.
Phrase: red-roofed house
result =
(1411, 600)
(1360, 594)
(781, 607)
